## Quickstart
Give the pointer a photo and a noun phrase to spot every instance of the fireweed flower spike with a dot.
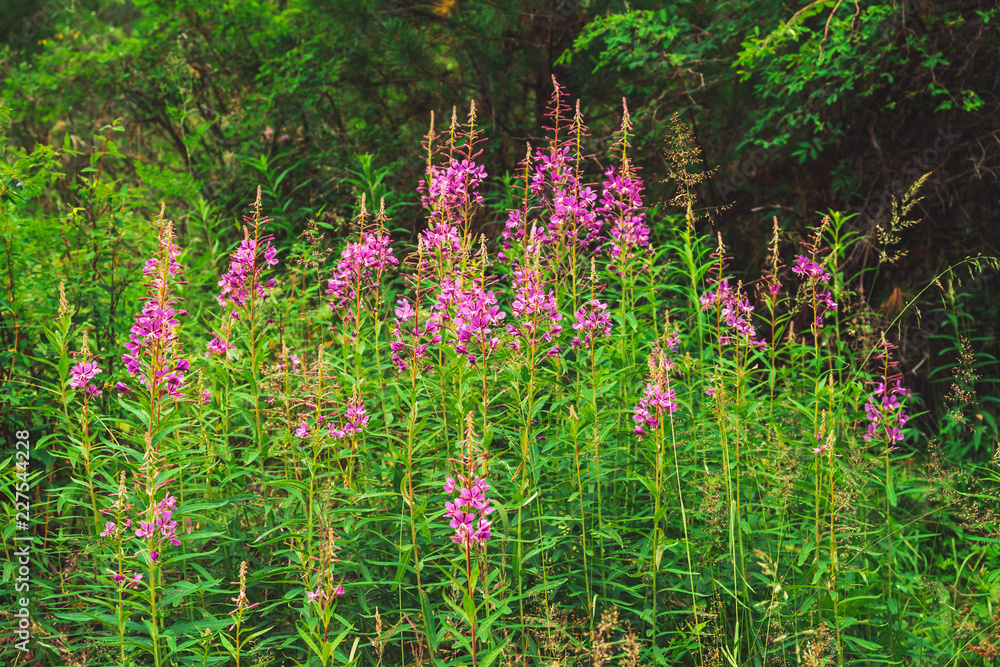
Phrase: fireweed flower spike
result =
(475, 322)
(621, 202)
(355, 420)
(807, 268)
(156, 527)
(592, 320)
(242, 602)
(218, 346)
(658, 397)
(361, 267)
(247, 265)
(82, 373)
(769, 283)
(162, 526)
(884, 408)
(325, 591)
(152, 347)
(534, 308)
(450, 191)
(555, 177)
(734, 309)
(413, 332)
(468, 511)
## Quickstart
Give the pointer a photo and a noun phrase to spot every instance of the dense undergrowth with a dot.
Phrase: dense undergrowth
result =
(560, 445)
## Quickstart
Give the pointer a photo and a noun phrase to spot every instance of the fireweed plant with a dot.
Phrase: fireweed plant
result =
(493, 447)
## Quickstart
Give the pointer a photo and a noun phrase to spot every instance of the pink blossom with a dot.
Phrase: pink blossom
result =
(83, 373)
(469, 511)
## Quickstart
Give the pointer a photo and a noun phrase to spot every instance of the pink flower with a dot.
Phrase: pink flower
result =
(735, 309)
(469, 510)
(218, 346)
(151, 348)
(83, 373)
(883, 409)
(806, 267)
(448, 192)
(621, 206)
(658, 397)
(246, 266)
(359, 270)
(476, 320)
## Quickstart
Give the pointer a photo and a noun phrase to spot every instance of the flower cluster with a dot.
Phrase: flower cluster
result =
(113, 529)
(406, 326)
(822, 300)
(530, 240)
(321, 594)
(355, 419)
(621, 205)
(621, 201)
(451, 190)
(325, 590)
(576, 204)
(884, 410)
(245, 268)
(361, 266)
(806, 267)
(241, 284)
(658, 397)
(218, 346)
(734, 309)
(886, 415)
(593, 320)
(571, 205)
(552, 169)
(468, 511)
(161, 522)
(82, 373)
(159, 527)
(155, 325)
(477, 316)
(556, 178)
(153, 336)
(130, 579)
(535, 310)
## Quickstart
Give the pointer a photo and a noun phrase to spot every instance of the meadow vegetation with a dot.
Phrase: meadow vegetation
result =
(555, 423)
